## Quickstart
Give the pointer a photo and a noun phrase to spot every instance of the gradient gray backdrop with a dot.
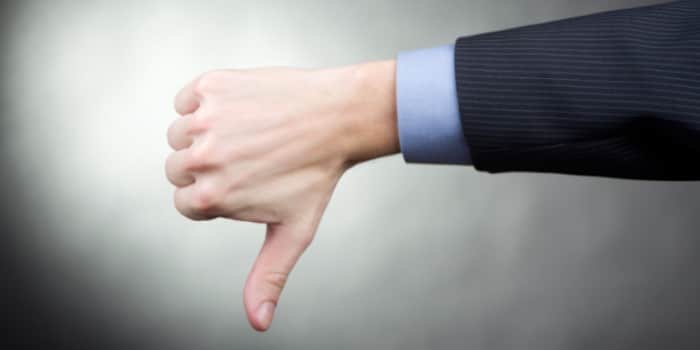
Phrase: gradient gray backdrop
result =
(407, 256)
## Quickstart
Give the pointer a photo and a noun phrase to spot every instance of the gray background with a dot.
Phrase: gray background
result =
(407, 256)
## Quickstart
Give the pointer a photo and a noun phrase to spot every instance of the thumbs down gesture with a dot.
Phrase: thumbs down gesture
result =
(269, 146)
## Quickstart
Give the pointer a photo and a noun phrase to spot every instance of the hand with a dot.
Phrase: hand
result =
(269, 146)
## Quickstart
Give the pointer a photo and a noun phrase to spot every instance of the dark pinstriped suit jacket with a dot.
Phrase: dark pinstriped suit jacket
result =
(612, 94)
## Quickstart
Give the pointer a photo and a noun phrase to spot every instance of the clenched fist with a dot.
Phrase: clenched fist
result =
(268, 146)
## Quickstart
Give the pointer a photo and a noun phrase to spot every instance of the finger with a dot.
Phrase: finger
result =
(187, 100)
(283, 246)
(176, 168)
(179, 136)
(196, 202)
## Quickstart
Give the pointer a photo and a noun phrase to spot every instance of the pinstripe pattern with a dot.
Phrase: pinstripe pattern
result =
(613, 94)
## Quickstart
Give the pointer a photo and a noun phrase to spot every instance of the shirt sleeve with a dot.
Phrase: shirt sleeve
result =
(430, 129)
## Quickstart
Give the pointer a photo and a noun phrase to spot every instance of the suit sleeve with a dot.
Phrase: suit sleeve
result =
(615, 94)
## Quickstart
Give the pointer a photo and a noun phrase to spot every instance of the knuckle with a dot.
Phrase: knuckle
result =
(303, 240)
(199, 123)
(194, 161)
(276, 279)
(200, 86)
(204, 200)
(199, 158)
(202, 115)
(208, 82)
(302, 236)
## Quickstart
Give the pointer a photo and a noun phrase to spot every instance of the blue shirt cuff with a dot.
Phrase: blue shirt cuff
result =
(430, 129)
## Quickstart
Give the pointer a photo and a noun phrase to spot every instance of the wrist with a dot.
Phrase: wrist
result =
(369, 111)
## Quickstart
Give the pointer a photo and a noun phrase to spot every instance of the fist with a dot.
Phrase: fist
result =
(268, 146)
(259, 146)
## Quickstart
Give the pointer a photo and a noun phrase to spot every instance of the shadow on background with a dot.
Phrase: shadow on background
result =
(33, 313)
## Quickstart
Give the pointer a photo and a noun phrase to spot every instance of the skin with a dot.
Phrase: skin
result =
(269, 146)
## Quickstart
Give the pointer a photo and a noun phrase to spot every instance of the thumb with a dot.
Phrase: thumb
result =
(284, 244)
